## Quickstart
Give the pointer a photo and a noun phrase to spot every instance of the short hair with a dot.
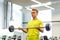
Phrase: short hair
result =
(35, 10)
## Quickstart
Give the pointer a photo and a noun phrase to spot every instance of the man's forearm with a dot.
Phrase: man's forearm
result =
(40, 29)
(25, 30)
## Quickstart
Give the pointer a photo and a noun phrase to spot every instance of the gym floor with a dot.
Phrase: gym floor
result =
(18, 13)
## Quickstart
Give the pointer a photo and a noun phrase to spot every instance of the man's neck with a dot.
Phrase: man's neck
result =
(34, 18)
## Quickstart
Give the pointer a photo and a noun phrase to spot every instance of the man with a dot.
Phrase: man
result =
(33, 34)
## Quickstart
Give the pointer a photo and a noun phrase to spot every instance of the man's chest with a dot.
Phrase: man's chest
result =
(34, 24)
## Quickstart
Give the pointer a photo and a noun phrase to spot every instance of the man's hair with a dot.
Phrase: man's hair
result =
(35, 10)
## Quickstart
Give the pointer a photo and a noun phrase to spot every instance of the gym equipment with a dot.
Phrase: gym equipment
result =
(45, 37)
(9, 38)
(47, 27)
(14, 37)
(19, 38)
(4, 37)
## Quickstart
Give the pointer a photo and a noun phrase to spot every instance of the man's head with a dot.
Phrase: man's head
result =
(34, 13)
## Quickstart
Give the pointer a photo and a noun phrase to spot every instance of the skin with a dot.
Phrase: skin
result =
(34, 16)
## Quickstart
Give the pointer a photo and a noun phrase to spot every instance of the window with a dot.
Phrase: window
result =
(15, 15)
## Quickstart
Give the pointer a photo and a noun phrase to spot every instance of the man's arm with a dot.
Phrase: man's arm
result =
(24, 30)
(40, 29)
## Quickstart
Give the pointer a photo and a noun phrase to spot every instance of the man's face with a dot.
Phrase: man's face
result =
(34, 13)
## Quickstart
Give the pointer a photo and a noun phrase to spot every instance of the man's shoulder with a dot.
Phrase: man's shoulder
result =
(39, 20)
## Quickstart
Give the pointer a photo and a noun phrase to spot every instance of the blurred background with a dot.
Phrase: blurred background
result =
(18, 13)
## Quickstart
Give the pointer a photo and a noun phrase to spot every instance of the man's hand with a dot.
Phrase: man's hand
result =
(24, 30)
(19, 28)
(39, 28)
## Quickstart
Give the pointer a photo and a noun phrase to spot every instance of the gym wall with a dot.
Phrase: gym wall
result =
(56, 25)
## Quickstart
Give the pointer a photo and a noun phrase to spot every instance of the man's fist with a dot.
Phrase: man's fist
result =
(19, 28)
(38, 27)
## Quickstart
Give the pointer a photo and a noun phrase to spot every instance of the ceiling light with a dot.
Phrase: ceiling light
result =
(48, 3)
(37, 5)
(48, 7)
(36, 1)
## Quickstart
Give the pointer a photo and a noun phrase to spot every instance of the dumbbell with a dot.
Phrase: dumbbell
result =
(11, 28)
